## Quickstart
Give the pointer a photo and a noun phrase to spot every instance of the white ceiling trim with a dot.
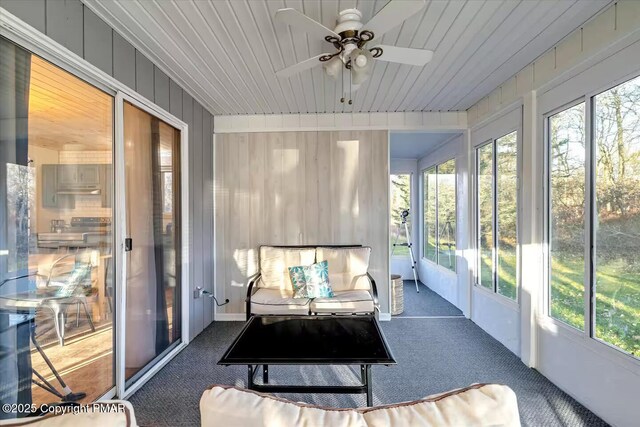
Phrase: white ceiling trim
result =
(450, 121)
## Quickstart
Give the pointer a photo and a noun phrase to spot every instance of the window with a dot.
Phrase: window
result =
(566, 223)
(430, 226)
(439, 210)
(447, 215)
(594, 209)
(616, 142)
(497, 215)
(400, 201)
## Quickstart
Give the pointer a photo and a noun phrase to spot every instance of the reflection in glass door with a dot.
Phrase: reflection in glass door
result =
(56, 271)
(152, 321)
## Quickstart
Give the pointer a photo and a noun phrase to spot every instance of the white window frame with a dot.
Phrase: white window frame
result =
(422, 237)
(411, 198)
(601, 75)
(488, 133)
(588, 98)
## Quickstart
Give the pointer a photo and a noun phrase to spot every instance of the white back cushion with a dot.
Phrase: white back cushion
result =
(476, 405)
(274, 264)
(230, 407)
(347, 267)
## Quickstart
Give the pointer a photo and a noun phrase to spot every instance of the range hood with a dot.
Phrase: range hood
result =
(79, 189)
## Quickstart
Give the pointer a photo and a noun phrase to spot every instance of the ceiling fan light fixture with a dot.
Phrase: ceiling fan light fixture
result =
(333, 66)
(361, 64)
(361, 61)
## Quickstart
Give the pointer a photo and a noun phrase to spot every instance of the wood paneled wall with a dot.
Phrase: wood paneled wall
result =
(298, 188)
(73, 25)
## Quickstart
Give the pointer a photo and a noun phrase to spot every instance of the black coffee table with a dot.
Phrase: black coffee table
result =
(310, 340)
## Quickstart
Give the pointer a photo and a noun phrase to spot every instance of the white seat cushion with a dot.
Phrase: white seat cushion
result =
(477, 405)
(275, 263)
(347, 267)
(344, 302)
(274, 301)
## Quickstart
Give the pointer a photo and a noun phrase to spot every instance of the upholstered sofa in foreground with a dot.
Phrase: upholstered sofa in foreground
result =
(476, 405)
(271, 292)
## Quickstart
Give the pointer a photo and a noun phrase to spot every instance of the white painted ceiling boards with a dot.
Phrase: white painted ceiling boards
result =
(227, 52)
(415, 145)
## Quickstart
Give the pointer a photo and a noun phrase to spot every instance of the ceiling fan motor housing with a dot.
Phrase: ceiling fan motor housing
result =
(349, 20)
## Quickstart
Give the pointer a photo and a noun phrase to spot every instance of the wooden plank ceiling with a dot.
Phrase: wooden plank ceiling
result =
(66, 113)
(227, 52)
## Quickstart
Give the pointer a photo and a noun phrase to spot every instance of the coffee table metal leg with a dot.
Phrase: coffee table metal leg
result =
(250, 377)
(265, 374)
(368, 384)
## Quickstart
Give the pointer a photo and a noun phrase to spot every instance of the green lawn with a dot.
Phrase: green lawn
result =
(400, 251)
(617, 300)
(617, 296)
(444, 259)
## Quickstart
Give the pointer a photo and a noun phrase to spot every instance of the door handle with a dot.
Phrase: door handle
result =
(128, 244)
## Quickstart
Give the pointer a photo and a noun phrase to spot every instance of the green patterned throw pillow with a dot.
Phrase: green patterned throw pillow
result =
(311, 281)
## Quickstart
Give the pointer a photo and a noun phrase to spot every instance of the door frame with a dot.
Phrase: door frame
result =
(120, 212)
(38, 43)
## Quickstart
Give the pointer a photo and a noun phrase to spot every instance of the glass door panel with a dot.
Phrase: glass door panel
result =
(56, 272)
(152, 211)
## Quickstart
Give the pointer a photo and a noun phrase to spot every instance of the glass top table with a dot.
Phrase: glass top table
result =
(310, 340)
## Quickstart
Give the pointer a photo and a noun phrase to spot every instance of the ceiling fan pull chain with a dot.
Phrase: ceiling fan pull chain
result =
(350, 87)
(342, 82)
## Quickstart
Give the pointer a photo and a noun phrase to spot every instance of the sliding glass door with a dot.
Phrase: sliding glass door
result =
(82, 314)
(152, 225)
(56, 272)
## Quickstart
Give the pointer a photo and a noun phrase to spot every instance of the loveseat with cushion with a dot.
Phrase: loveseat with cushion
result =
(474, 406)
(271, 292)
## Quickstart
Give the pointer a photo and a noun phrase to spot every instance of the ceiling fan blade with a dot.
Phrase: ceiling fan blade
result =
(391, 15)
(405, 55)
(302, 22)
(301, 66)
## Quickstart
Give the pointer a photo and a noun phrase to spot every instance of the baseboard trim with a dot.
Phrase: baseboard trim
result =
(230, 317)
(240, 317)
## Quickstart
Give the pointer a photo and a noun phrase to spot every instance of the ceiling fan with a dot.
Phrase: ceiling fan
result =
(350, 38)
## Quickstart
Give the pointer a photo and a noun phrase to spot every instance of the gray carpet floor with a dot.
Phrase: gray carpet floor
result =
(426, 303)
(433, 354)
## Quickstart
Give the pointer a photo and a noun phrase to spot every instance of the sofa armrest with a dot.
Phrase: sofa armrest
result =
(250, 292)
(374, 292)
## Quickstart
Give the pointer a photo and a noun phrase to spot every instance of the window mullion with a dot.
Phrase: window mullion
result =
(494, 216)
(437, 218)
(590, 221)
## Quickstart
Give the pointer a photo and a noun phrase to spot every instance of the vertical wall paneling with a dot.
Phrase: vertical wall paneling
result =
(161, 88)
(124, 61)
(311, 191)
(187, 117)
(379, 215)
(30, 11)
(175, 99)
(197, 242)
(206, 193)
(144, 76)
(323, 197)
(274, 225)
(293, 184)
(296, 188)
(220, 201)
(64, 25)
(98, 41)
